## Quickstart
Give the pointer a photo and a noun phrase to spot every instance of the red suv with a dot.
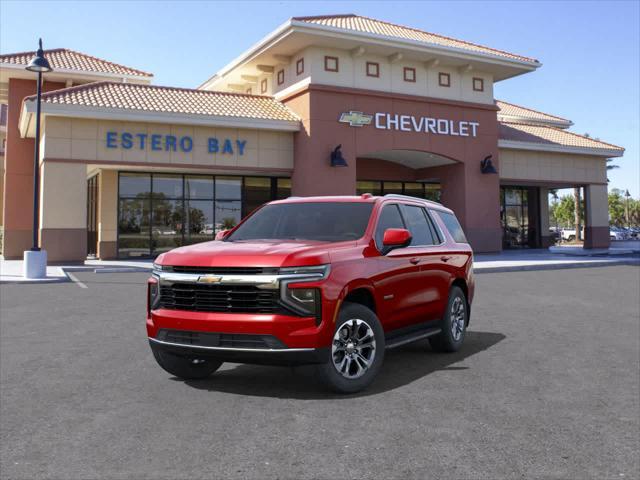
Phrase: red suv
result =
(332, 281)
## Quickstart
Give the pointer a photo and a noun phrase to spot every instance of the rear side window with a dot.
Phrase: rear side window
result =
(452, 224)
(416, 219)
(389, 218)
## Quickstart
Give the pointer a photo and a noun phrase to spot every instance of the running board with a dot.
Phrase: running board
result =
(412, 337)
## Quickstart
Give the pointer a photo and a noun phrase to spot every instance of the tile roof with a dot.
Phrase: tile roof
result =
(65, 59)
(544, 135)
(512, 110)
(370, 25)
(152, 98)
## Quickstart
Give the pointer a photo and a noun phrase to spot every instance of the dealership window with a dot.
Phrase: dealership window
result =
(478, 84)
(428, 191)
(300, 66)
(283, 188)
(444, 79)
(280, 77)
(409, 74)
(263, 86)
(331, 64)
(373, 69)
(158, 212)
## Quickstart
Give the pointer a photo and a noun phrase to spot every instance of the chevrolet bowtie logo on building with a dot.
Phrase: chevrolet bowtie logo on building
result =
(209, 279)
(356, 119)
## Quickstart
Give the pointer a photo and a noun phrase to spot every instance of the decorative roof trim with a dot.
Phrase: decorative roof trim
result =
(135, 73)
(129, 115)
(445, 37)
(545, 147)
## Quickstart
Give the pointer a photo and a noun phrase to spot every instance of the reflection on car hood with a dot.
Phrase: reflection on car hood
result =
(255, 253)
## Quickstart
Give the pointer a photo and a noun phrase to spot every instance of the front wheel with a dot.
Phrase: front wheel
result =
(454, 323)
(357, 350)
(187, 368)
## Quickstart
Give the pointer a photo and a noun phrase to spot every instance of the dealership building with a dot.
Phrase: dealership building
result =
(331, 105)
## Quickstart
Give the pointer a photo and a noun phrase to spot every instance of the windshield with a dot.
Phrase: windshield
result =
(319, 221)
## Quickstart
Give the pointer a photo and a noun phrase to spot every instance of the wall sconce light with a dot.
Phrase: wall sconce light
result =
(486, 165)
(337, 160)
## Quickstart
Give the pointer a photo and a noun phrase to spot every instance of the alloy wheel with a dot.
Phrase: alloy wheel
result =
(457, 318)
(353, 349)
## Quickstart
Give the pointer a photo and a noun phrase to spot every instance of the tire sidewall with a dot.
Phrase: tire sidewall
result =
(328, 371)
(447, 335)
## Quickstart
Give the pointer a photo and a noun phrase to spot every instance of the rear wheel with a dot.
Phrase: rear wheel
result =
(454, 323)
(187, 368)
(357, 350)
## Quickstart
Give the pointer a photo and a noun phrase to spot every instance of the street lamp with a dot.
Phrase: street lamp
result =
(35, 260)
(626, 208)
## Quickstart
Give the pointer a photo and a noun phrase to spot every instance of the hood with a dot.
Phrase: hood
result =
(256, 253)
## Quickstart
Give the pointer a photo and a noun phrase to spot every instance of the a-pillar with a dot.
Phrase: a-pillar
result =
(596, 216)
(546, 240)
(63, 211)
(107, 214)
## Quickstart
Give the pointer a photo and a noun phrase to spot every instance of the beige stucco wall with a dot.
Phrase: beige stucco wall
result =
(81, 139)
(597, 211)
(63, 196)
(352, 73)
(108, 206)
(552, 167)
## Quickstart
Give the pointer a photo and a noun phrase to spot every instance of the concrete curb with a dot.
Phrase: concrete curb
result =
(555, 266)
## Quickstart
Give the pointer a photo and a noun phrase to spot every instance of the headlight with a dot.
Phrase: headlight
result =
(319, 271)
(304, 301)
(162, 268)
(153, 294)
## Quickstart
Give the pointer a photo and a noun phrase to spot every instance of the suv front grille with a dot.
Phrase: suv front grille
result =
(218, 298)
(227, 340)
(224, 270)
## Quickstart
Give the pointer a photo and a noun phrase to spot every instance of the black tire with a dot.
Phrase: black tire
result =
(357, 354)
(187, 368)
(446, 340)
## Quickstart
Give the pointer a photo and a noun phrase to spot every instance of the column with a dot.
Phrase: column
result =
(596, 216)
(107, 214)
(546, 240)
(63, 211)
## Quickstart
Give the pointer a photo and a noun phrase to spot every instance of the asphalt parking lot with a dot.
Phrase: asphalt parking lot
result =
(547, 386)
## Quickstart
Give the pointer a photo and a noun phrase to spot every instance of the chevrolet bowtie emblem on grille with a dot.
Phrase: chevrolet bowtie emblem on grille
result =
(209, 279)
(356, 119)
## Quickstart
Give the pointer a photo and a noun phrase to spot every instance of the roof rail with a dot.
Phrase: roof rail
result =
(408, 197)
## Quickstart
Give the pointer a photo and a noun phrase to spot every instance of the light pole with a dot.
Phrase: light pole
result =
(35, 260)
(626, 208)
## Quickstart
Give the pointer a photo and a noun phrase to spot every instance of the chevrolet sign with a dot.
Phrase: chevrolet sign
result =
(355, 119)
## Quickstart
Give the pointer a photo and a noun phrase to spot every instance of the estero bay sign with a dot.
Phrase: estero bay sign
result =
(411, 123)
(171, 143)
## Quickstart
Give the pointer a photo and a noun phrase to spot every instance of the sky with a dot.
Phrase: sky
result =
(590, 51)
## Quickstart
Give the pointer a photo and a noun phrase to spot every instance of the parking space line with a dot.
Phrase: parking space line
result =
(75, 280)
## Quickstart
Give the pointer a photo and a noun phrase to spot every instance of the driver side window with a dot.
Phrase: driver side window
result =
(389, 218)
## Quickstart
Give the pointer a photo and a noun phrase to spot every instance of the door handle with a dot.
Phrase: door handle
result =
(414, 260)
(445, 258)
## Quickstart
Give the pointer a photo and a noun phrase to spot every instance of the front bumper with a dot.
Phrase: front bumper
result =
(263, 356)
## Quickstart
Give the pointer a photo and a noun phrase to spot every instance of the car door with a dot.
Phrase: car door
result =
(426, 252)
(398, 275)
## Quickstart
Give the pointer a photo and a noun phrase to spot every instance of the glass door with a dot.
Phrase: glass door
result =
(92, 216)
(518, 214)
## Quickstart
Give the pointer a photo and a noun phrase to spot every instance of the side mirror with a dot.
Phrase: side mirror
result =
(395, 238)
(222, 234)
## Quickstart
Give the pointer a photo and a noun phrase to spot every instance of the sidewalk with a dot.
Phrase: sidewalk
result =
(11, 270)
(543, 259)
(506, 261)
